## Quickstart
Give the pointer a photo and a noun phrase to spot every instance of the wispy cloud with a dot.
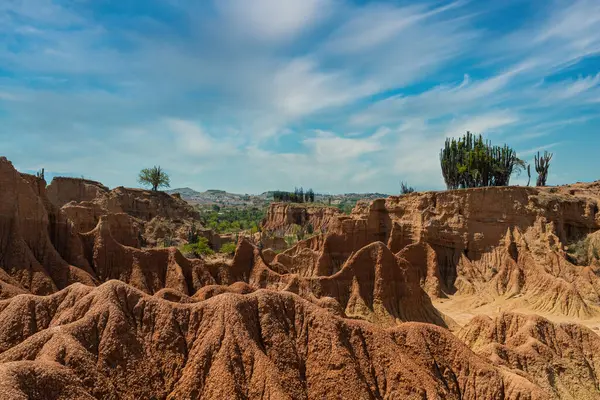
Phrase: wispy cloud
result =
(336, 94)
(530, 152)
(273, 20)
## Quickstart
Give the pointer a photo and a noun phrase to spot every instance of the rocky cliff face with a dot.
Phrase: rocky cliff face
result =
(146, 204)
(483, 243)
(64, 190)
(281, 217)
(85, 313)
(28, 258)
(156, 217)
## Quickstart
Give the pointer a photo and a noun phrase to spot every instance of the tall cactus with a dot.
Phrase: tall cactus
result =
(471, 162)
(542, 165)
(193, 234)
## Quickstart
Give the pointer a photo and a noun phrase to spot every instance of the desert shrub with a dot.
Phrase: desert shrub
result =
(168, 241)
(583, 252)
(198, 249)
(291, 240)
(228, 248)
(347, 206)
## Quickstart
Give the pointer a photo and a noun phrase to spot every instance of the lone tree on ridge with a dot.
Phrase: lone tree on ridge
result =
(154, 177)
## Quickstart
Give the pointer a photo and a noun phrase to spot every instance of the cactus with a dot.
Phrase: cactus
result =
(192, 234)
(528, 174)
(405, 189)
(40, 174)
(542, 165)
(470, 162)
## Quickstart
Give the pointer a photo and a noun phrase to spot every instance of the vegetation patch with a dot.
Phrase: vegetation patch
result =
(232, 219)
(228, 248)
(583, 252)
(198, 249)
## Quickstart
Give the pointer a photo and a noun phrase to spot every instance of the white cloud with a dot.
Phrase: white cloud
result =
(570, 88)
(379, 24)
(261, 76)
(567, 35)
(466, 97)
(573, 22)
(193, 140)
(530, 152)
(393, 45)
(273, 20)
(417, 158)
(300, 88)
(487, 123)
(331, 148)
(373, 26)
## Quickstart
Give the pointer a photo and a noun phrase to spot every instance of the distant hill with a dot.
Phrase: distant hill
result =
(224, 198)
(220, 197)
(184, 192)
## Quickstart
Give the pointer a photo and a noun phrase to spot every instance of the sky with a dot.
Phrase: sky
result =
(337, 95)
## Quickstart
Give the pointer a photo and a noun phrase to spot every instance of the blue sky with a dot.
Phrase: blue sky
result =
(338, 95)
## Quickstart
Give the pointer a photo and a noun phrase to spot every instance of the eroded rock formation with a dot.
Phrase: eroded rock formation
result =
(561, 358)
(156, 217)
(281, 217)
(116, 342)
(480, 245)
(88, 312)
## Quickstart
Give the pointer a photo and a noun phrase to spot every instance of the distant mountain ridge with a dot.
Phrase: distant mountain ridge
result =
(222, 197)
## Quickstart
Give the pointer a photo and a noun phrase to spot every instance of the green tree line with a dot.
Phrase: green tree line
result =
(297, 196)
(230, 220)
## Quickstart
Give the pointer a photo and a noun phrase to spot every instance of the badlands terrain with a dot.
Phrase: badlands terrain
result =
(490, 293)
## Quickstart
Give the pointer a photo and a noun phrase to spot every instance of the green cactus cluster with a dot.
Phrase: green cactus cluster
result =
(470, 162)
(193, 234)
(542, 164)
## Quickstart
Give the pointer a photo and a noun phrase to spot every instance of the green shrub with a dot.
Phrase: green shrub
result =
(228, 248)
(346, 206)
(583, 252)
(232, 219)
(290, 240)
(198, 249)
(168, 240)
